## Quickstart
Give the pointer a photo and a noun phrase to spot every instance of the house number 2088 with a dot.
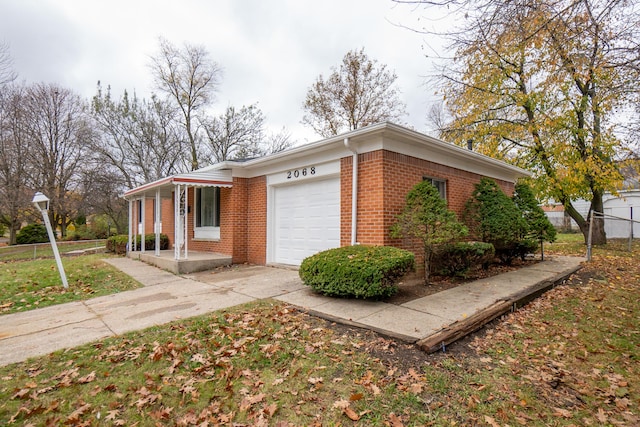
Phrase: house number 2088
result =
(301, 172)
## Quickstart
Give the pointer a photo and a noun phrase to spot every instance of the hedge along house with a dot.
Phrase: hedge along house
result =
(281, 208)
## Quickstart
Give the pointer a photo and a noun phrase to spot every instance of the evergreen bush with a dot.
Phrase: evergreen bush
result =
(539, 228)
(32, 233)
(356, 271)
(495, 219)
(456, 259)
(118, 243)
(426, 217)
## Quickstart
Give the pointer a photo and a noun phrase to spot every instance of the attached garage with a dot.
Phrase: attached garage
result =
(306, 219)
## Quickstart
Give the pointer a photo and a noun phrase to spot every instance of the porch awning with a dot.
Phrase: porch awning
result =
(205, 178)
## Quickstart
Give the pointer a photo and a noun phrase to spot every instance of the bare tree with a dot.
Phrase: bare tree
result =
(239, 134)
(141, 139)
(59, 130)
(190, 79)
(236, 133)
(103, 187)
(7, 73)
(278, 141)
(15, 195)
(358, 93)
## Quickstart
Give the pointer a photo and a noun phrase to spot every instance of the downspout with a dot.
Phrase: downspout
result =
(354, 192)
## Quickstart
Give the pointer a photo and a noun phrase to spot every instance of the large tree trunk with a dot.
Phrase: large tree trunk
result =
(598, 235)
(13, 233)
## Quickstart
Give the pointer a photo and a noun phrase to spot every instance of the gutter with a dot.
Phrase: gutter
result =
(354, 192)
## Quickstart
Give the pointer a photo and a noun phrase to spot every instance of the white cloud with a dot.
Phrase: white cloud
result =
(271, 52)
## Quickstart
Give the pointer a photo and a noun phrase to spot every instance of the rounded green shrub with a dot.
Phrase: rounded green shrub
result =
(32, 233)
(456, 259)
(118, 243)
(357, 271)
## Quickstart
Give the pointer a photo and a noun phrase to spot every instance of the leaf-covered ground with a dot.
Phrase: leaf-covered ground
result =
(570, 358)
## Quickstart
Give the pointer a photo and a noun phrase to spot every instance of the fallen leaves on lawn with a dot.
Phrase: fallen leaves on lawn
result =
(576, 345)
(570, 355)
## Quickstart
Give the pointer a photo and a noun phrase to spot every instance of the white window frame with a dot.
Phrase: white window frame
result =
(206, 232)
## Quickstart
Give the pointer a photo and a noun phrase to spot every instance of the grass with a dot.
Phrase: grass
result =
(251, 365)
(27, 285)
(569, 358)
(43, 250)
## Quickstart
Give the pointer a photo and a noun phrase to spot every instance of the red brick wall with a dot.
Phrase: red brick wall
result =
(384, 179)
(346, 169)
(238, 213)
(256, 224)
(167, 217)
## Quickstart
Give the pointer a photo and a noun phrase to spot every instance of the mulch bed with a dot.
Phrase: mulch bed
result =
(413, 287)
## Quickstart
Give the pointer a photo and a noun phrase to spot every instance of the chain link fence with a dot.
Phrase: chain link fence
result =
(43, 250)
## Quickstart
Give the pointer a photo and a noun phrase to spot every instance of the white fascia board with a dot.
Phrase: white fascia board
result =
(424, 147)
(386, 136)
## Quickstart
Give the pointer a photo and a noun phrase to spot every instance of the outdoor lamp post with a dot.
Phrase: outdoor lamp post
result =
(42, 203)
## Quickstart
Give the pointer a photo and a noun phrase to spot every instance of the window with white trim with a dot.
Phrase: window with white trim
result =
(440, 184)
(207, 213)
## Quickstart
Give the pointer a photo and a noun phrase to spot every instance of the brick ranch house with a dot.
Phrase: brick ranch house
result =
(281, 208)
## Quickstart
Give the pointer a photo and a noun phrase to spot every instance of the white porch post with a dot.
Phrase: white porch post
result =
(157, 226)
(186, 221)
(142, 232)
(129, 246)
(136, 225)
(176, 222)
(180, 221)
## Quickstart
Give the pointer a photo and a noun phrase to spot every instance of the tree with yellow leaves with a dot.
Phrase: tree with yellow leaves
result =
(538, 83)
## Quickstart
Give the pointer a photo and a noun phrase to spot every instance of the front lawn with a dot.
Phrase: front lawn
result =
(27, 285)
(569, 358)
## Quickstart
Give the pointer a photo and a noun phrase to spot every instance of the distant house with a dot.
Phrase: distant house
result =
(624, 205)
(281, 208)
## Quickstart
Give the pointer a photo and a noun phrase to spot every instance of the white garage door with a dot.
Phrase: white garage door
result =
(306, 219)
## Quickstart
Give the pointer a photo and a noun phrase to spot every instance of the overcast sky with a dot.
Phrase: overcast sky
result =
(271, 51)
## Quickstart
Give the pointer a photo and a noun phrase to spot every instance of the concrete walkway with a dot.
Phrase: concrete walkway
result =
(166, 297)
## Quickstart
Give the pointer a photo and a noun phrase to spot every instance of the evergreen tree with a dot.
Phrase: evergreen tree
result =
(496, 219)
(539, 228)
(426, 217)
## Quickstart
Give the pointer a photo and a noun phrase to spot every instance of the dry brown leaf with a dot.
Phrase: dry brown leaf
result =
(491, 421)
(374, 389)
(251, 400)
(75, 415)
(270, 410)
(315, 380)
(395, 421)
(88, 378)
(351, 414)
(559, 412)
(602, 416)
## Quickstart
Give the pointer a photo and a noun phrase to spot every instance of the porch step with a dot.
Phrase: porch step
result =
(197, 261)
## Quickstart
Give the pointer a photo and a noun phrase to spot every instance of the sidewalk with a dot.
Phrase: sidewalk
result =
(166, 297)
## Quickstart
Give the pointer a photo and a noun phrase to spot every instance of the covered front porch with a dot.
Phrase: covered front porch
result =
(181, 225)
(197, 261)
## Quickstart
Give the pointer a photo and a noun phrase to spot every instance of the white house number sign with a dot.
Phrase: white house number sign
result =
(297, 173)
